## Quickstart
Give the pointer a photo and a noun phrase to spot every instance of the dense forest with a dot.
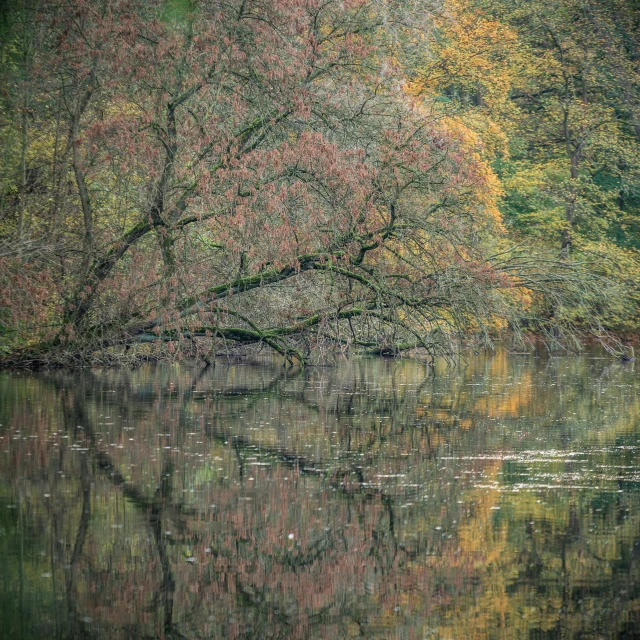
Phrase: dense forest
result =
(186, 177)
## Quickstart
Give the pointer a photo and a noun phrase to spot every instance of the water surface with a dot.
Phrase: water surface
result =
(372, 499)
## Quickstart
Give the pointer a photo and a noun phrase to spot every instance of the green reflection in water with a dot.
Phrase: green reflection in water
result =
(372, 499)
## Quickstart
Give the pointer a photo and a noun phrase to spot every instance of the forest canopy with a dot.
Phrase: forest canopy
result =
(191, 177)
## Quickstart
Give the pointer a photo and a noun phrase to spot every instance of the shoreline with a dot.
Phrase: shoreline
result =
(623, 349)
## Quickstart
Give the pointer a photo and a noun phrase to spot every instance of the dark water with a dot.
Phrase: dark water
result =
(369, 500)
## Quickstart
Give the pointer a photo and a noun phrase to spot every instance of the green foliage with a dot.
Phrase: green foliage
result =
(559, 83)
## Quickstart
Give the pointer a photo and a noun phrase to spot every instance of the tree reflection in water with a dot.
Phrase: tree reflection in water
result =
(372, 499)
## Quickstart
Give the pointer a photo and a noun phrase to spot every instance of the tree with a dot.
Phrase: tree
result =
(552, 92)
(253, 172)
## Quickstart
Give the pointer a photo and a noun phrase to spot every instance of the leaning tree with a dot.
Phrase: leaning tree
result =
(247, 172)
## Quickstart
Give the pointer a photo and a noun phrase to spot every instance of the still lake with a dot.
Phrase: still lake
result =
(372, 499)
